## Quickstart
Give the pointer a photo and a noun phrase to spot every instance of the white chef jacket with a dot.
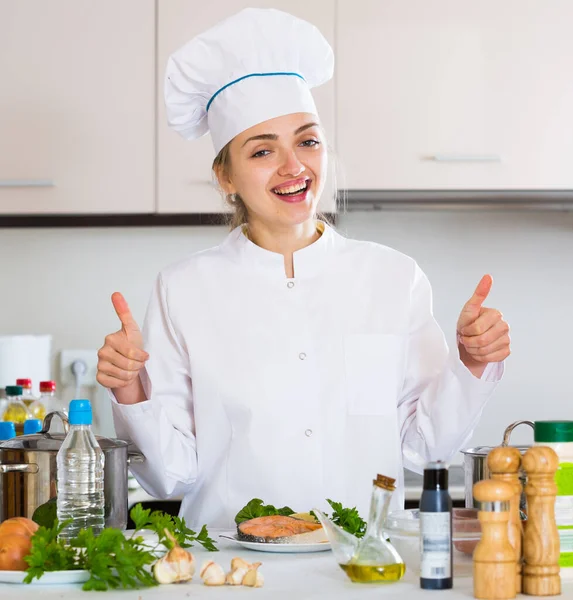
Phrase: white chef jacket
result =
(294, 390)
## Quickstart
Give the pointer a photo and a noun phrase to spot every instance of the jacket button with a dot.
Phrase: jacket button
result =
(290, 284)
(302, 356)
(308, 432)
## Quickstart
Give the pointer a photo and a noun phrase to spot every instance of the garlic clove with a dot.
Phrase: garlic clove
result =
(253, 578)
(212, 573)
(239, 563)
(236, 577)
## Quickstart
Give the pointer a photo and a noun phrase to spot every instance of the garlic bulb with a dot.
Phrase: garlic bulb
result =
(176, 566)
(236, 576)
(253, 578)
(212, 573)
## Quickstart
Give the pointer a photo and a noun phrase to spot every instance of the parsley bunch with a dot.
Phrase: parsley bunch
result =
(348, 519)
(111, 559)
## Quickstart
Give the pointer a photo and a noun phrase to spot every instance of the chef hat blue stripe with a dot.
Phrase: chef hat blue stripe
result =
(246, 77)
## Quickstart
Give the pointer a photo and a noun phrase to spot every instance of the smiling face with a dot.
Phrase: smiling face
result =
(278, 168)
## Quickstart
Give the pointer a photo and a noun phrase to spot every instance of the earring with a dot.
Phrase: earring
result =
(232, 198)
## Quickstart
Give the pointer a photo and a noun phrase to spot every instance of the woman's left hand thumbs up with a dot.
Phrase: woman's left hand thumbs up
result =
(483, 335)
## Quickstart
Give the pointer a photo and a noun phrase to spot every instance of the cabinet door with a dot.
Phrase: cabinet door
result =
(185, 182)
(77, 106)
(455, 95)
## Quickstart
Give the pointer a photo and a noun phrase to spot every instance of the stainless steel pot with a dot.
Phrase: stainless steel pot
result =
(476, 469)
(28, 473)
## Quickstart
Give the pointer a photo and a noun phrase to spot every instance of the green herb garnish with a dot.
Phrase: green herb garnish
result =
(111, 559)
(48, 553)
(255, 508)
(348, 519)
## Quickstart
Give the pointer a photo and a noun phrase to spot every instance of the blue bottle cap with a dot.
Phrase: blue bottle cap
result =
(7, 430)
(32, 426)
(80, 412)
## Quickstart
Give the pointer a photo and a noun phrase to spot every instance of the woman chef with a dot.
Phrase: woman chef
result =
(288, 363)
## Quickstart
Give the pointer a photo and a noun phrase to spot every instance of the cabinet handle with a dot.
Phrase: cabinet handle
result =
(25, 468)
(24, 183)
(466, 157)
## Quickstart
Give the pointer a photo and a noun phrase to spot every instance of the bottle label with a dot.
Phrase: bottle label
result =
(564, 479)
(435, 545)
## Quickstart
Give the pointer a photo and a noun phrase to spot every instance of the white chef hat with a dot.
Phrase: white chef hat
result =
(254, 66)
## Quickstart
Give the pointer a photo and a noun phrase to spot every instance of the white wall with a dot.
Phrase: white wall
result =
(68, 275)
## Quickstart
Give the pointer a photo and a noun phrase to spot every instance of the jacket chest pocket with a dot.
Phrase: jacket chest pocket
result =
(373, 366)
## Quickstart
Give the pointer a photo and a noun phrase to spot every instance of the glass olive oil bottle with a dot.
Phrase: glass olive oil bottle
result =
(375, 559)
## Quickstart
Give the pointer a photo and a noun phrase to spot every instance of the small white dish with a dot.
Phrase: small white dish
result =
(270, 547)
(48, 578)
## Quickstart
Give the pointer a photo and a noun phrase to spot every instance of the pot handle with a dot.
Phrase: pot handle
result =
(26, 468)
(48, 421)
(510, 428)
(135, 457)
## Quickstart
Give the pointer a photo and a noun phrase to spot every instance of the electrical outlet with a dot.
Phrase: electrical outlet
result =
(67, 357)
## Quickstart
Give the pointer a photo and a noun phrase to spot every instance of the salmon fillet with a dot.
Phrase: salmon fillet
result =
(275, 528)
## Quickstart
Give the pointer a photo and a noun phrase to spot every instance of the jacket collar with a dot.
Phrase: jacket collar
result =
(308, 261)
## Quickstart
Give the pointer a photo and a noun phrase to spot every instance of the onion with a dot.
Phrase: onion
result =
(18, 526)
(13, 548)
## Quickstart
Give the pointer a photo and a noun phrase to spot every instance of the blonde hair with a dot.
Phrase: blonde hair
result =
(222, 169)
(239, 214)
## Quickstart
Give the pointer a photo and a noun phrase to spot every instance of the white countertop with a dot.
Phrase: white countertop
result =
(287, 577)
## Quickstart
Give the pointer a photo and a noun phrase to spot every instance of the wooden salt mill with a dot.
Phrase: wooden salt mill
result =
(503, 463)
(541, 540)
(494, 556)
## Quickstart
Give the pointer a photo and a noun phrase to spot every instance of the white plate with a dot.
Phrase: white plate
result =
(270, 547)
(48, 578)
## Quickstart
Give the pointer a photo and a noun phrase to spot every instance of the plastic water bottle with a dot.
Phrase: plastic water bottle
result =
(80, 475)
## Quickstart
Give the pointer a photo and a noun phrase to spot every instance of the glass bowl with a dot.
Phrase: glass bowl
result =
(403, 529)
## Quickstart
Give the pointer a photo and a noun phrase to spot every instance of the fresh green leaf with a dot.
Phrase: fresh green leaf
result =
(204, 539)
(139, 516)
(255, 508)
(348, 519)
(46, 514)
(48, 553)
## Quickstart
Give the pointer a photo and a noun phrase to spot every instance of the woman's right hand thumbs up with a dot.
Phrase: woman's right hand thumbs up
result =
(122, 356)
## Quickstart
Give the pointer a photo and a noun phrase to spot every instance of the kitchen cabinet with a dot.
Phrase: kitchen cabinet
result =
(455, 95)
(185, 183)
(77, 107)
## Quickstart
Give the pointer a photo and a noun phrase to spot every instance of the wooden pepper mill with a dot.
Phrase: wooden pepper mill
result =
(494, 556)
(541, 540)
(503, 463)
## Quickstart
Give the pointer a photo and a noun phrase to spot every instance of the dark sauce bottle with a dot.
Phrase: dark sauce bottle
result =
(436, 566)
